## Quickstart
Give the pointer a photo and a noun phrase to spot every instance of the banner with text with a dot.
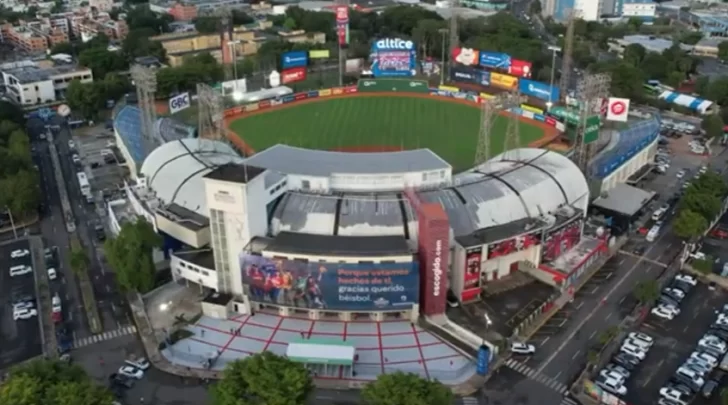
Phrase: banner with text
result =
(319, 54)
(294, 59)
(470, 75)
(392, 85)
(335, 286)
(471, 277)
(503, 81)
(293, 75)
(393, 57)
(342, 25)
(539, 90)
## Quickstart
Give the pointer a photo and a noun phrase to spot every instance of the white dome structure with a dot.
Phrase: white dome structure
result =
(174, 171)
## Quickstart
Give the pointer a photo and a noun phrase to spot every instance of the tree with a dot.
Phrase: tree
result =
(406, 389)
(79, 260)
(52, 382)
(102, 61)
(646, 291)
(723, 50)
(689, 224)
(713, 126)
(141, 16)
(130, 255)
(263, 379)
(535, 7)
(84, 98)
(207, 24)
(701, 203)
(10, 112)
(634, 54)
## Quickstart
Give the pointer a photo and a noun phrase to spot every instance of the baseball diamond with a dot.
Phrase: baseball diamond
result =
(380, 122)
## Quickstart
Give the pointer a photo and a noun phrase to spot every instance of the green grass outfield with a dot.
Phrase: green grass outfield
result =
(448, 129)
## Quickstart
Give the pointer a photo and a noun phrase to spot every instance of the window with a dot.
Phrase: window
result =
(305, 184)
(204, 273)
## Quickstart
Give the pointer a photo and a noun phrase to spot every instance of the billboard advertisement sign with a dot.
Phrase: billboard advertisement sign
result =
(483, 360)
(561, 239)
(392, 57)
(293, 75)
(513, 245)
(618, 109)
(539, 90)
(503, 81)
(179, 103)
(465, 74)
(319, 54)
(335, 286)
(342, 25)
(591, 131)
(466, 56)
(495, 60)
(520, 68)
(471, 277)
(392, 85)
(294, 59)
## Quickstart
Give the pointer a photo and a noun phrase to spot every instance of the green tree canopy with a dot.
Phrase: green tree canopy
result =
(19, 180)
(102, 61)
(79, 260)
(646, 291)
(263, 379)
(406, 389)
(689, 224)
(53, 383)
(130, 255)
(713, 125)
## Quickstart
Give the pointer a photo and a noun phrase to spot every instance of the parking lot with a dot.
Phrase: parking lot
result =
(21, 339)
(95, 148)
(507, 308)
(674, 341)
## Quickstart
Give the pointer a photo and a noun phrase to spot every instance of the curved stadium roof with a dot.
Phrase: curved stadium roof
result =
(175, 170)
(519, 184)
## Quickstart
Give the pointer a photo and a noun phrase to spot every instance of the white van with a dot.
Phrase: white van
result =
(652, 234)
(658, 214)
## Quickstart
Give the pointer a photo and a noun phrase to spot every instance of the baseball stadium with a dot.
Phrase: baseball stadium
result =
(362, 204)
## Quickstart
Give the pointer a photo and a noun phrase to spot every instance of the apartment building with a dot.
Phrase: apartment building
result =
(87, 26)
(246, 39)
(183, 12)
(35, 36)
(31, 83)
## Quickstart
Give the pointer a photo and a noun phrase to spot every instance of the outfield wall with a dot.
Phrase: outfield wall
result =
(399, 86)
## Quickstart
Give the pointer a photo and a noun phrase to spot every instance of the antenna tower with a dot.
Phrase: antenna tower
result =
(590, 91)
(454, 30)
(145, 80)
(226, 40)
(489, 110)
(566, 58)
(210, 113)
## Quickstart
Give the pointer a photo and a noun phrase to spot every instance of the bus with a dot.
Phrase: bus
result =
(83, 184)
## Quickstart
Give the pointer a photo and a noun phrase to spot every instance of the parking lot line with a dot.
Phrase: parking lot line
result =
(580, 305)
(649, 377)
(576, 353)
(545, 340)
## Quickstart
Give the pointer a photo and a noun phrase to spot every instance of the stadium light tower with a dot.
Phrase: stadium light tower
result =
(210, 113)
(567, 53)
(443, 32)
(590, 91)
(490, 109)
(554, 50)
(145, 81)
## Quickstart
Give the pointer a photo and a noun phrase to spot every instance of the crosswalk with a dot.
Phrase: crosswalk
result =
(568, 401)
(534, 375)
(102, 337)
(470, 401)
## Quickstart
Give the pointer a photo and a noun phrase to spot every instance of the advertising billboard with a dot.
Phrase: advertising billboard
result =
(495, 60)
(392, 85)
(561, 239)
(591, 130)
(520, 68)
(294, 59)
(342, 25)
(393, 57)
(179, 103)
(513, 245)
(539, 90)
(334, 286)
(464, 74)
(471, 276)
(319, 54)
(503, 81)
(466, 56)
(293, 75)
(618, 109)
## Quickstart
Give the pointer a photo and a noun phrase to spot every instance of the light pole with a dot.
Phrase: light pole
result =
(554, 50)
(12, 222)
(443, 32)
(233, 55)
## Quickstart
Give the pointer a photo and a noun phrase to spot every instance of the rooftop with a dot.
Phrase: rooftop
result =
(184, 217)
(203, 258)
(36, 73)
(329, 245)
(502, 232)
(320, 163)
(652, 43)
(624, 199)
(235, 173)
(217, 298)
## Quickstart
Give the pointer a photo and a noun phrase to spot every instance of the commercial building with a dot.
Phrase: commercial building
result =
(36, 36)
(87, 25)
(584, 9)
(708, 47)
(649, 42)
(642, 9)
(31, 83)
(710, 22)
(247, 41)
(183, 12)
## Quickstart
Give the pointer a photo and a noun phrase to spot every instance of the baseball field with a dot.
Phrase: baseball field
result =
(380, 122)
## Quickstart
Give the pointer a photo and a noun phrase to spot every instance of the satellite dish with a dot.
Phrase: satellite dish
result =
(64, 110)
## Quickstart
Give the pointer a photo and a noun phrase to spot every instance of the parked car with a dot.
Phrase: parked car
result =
(18, 253)
(131, 372)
